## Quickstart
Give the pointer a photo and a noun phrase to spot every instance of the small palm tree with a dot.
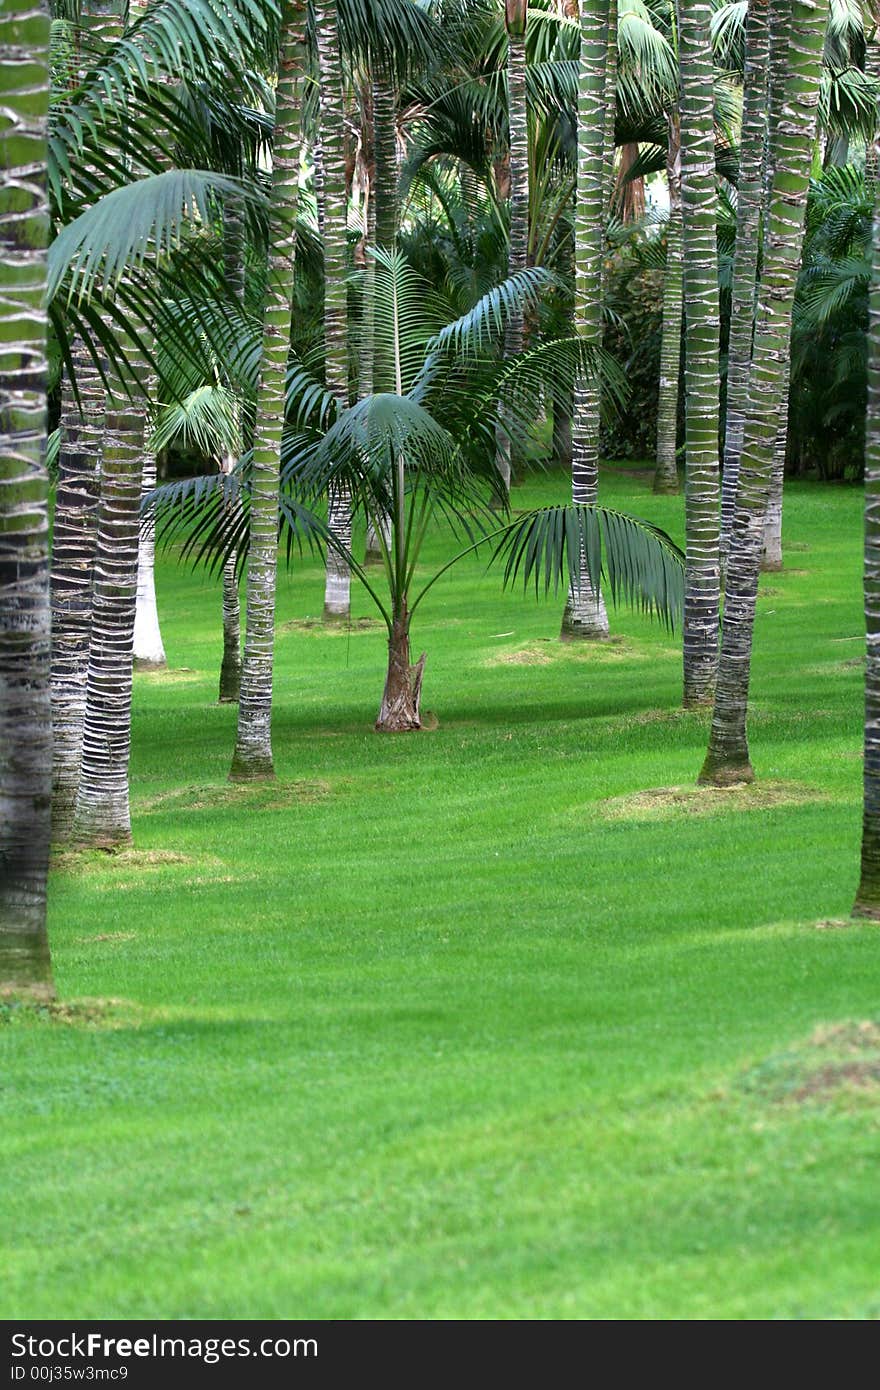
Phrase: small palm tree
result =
(426, 450)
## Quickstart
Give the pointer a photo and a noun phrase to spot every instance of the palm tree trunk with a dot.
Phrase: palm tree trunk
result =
(771, 551)
(148, 650)
(517, 256)
(73, 560)
(75, 523)
(230, 669)
(234, 277)
(585, 615)
(381, 229)
(703, 326)
(666, 473)
(252, 757)
(872, 68)
(337, 588)
(102, 807)
(745, 264)
(25, 711)
(727, 759)
(867, 902)
(400, 709)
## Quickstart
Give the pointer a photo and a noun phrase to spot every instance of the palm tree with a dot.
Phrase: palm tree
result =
(702, 376)
(426, 450)
(337, 593)
(515, 18)
(750, 191)
(666, 473)
(867, 902)
(585, 615)
(727, 759)
(25, 711)
(252, 757)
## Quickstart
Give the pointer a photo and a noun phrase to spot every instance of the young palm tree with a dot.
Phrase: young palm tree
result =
(252, 757)
(25, 712)
(426, 450)
(702, 373)
(867, 902)
(727, 759)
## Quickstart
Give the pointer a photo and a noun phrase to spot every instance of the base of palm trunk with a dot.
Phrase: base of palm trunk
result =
(867, 911)
(28, 991)
(230, 683)
(400, 709)
(106, 839)
(335, 616)
(585, 618)
(249, 767)
(665, 485)
(717, 774)
(771, 564)
(694, 701)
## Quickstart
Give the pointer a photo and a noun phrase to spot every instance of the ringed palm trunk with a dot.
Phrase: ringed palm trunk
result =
(727, 759)
(585, 615)
(867, 902)
(233, 274)
(517, 256)
(149, 649)
(745, 262)
(872, 68)
(103, 814)
(75, 521)
(73, 560)
(252, 757)
(337, 588)
(702, 381)
(25, 712)
(381, 228)
(666, 473)
(771, 550)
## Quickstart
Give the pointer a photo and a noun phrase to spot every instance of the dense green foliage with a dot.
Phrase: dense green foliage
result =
(547, 1047)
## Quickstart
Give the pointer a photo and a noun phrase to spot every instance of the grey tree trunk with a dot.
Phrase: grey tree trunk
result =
(727, 759)
(252, 757)
(771, 552)
(381, 229)
(149, 649)
(73, 560)
(666, 473)
(702, 378)
(517, 256)
(750, 197)
(585, 616)
(867, 902)
(25, 711)
(337, 587)
(103, 816)
(230, 669)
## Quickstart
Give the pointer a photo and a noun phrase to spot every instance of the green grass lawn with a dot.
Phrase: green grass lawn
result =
(461, 1023)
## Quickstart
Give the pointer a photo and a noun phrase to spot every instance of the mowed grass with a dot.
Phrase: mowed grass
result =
(470, 1023)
